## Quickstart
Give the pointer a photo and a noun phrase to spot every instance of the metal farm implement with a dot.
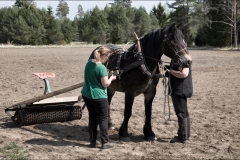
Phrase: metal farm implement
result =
(47, 108)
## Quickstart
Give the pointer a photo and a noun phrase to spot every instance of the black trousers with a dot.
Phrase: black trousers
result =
(98, 114)
(181, 110)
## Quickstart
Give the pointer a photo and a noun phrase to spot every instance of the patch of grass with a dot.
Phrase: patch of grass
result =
(12, 151)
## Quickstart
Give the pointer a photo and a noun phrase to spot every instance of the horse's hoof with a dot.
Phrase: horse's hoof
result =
(125, 139)
(151, 138)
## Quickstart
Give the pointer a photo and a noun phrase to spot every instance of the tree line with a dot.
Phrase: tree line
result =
(203, 22)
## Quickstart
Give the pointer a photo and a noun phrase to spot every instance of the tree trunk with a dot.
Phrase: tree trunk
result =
(235, 22)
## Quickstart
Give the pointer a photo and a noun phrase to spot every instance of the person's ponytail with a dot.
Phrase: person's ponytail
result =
(97, 56)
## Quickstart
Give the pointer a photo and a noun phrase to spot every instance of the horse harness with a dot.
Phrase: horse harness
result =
(183, 62)
(140, 62)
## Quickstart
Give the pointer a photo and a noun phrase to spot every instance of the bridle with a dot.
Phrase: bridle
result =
(180, 61)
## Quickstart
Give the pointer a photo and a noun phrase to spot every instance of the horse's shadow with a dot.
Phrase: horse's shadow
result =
(133, 137)
(62, 134)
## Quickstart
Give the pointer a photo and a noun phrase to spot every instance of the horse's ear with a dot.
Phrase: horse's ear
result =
(179, 25)
(172, 27)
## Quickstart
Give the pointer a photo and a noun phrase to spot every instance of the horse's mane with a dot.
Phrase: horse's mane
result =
(149, 38)
(155, 36)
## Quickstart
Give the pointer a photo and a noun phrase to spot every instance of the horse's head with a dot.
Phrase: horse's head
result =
(174, 46)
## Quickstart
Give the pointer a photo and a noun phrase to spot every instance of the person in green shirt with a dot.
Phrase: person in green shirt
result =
(94, 93)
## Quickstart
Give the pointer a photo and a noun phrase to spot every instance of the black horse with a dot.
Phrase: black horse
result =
(139, 70)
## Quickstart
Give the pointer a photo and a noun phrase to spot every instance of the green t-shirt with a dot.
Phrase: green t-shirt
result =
(92, 87)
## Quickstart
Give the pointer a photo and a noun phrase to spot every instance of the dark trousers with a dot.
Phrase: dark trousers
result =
(181, 110)
(98, 114)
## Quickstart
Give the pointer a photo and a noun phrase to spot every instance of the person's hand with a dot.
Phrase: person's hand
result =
(167, 72)
(113, 77)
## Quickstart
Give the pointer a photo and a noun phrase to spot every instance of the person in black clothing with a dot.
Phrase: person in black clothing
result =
(181, 89)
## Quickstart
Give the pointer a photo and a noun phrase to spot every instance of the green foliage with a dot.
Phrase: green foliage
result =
(13, 151)
(183, 13)
(75, 32)
(120, 23)
(80, 13)
(49, 10)
(218, 32)
(19, 3)
(22, 25)
(84, 27)
(20, 31)
(123, 3)
(215, 32)
(54, 34)
(203, 22)
(67, 30)
(142, 21)
(99, 21)
(7, 15)
(116, 34)
(62, 9)
(160, 14)
(34, 21)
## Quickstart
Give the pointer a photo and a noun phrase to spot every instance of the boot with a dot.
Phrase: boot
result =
(183, 130)
(107, 145)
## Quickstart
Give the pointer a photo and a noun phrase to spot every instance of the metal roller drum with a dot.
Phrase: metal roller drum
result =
(48, 114)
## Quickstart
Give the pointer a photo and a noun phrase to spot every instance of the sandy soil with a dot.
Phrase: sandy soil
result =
(214, 109)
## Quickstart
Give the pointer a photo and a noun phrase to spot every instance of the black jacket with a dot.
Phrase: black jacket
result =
(181, 87)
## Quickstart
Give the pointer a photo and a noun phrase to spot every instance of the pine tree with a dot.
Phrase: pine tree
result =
(20, 31)
(62, 10)
(33, 17)
(80, 13)
(160, 14)
(183, 12)
(142, 22)
(99, 26)
(116, 34)
(84, 27)
(19, 3)
(54, 34)
(67, 30)
(218, 33)
(123, 3)
(50, 10)
(154, 22)
(7, 14)
(118, 19)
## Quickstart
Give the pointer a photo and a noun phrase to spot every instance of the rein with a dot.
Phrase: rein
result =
(167, 87)
(159, 60)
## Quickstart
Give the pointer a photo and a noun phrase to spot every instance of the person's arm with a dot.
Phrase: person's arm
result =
(107, 81)
(180, 74)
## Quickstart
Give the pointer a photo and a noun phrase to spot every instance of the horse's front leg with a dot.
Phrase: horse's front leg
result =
(123, 131)
(147, 129)
(110, 93)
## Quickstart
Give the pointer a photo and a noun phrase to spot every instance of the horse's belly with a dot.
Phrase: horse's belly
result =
(116, 86)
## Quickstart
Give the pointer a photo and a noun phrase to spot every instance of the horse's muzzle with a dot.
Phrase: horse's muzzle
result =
(183, 62)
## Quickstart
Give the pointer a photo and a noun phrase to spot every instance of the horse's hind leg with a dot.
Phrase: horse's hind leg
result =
(147, 129)
(110, 95)
(123, 131)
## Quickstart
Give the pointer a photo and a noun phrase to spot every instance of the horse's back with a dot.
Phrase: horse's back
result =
(110, 46)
